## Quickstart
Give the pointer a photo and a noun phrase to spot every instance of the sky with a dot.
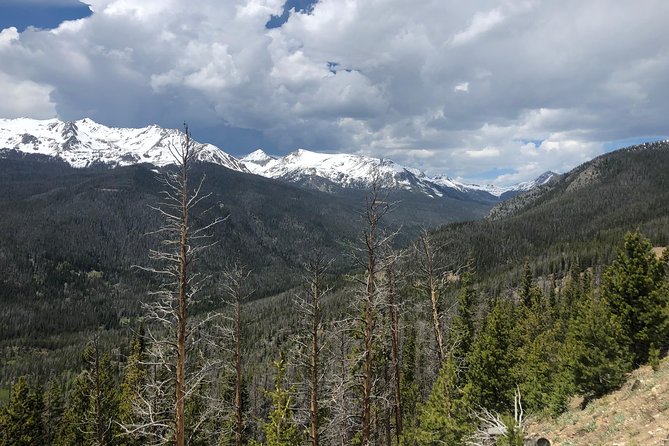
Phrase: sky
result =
(483, 91)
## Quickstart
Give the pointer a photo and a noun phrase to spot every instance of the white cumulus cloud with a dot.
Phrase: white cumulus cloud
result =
(461, 88)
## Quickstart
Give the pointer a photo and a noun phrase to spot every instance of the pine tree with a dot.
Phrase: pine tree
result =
(489, 382)
(525, 290)
(596, 351)
(281, 429)
(409, 389)
(635, 287)
(54, 409)
(443, 417)
(21, 422)
(461, 333)
(70, 430)
(92, 409)
(135, 374)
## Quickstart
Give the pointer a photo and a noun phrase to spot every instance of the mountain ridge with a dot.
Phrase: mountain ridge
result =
(576, 219)
(86, 143)
(360, 171)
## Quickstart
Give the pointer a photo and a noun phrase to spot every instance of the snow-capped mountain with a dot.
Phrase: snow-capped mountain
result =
(86, 143)
(355, 171)
(349, 171)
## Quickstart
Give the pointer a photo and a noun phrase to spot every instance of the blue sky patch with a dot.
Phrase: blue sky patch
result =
(39, 14)
(300, 6)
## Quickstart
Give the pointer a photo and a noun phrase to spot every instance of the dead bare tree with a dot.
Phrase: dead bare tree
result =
(492, 425)
(430, 280)
(159, 418)
(234, 285)
(372, 258)
(309, 304)
(339, 389)
(393, 308)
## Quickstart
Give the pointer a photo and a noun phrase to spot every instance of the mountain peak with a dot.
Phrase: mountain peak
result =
(545, 178)
(258, 155)
(256, 161)
(85, 143)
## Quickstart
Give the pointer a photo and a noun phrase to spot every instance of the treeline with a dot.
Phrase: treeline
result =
(388, 372)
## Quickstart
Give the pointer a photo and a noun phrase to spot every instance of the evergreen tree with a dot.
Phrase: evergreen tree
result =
(281, 429)
(525, 290)
(443, 417)
(91, 414)
(571, 294)
(21, 422)
(489, 381)
(461, 333)
(134, 377)
(596, 351)
(635, 287)
(536, 346)
(409, 392)
(54, 409)
(70, 430)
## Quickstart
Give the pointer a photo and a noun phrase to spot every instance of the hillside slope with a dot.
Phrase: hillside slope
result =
(578, 218)
(637, 414)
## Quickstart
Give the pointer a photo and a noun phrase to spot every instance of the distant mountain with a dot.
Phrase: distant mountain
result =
(328, 171)
(85, 143)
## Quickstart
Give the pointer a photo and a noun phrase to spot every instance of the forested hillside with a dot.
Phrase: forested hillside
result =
(76, 236)
(438, 341)
(575, 221)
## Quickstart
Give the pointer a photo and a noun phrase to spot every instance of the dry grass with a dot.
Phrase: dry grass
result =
(635, 415)
(659, 250)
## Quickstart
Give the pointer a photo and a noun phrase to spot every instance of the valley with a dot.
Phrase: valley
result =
(79, 235)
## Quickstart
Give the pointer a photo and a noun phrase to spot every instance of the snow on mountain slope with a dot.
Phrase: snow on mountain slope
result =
(342, 169)
(85, 143)
(357, 171)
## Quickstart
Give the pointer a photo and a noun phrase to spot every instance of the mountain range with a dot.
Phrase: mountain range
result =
(74, 235)
(85, 143)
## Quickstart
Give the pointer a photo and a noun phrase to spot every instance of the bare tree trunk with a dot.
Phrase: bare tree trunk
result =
(377, 207)
(183, 293)
(239, 421)
(387, 407)
(367, 375)
(315, 269)
(160, 412)
(369, 322)
(235, 288)
(430, 275)
(395, 351)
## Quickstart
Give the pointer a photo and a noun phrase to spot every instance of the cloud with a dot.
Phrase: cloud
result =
(7, 36)
(462, 86)
(482, 22)
(448, 86)
(488, 152)
(22, 98)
